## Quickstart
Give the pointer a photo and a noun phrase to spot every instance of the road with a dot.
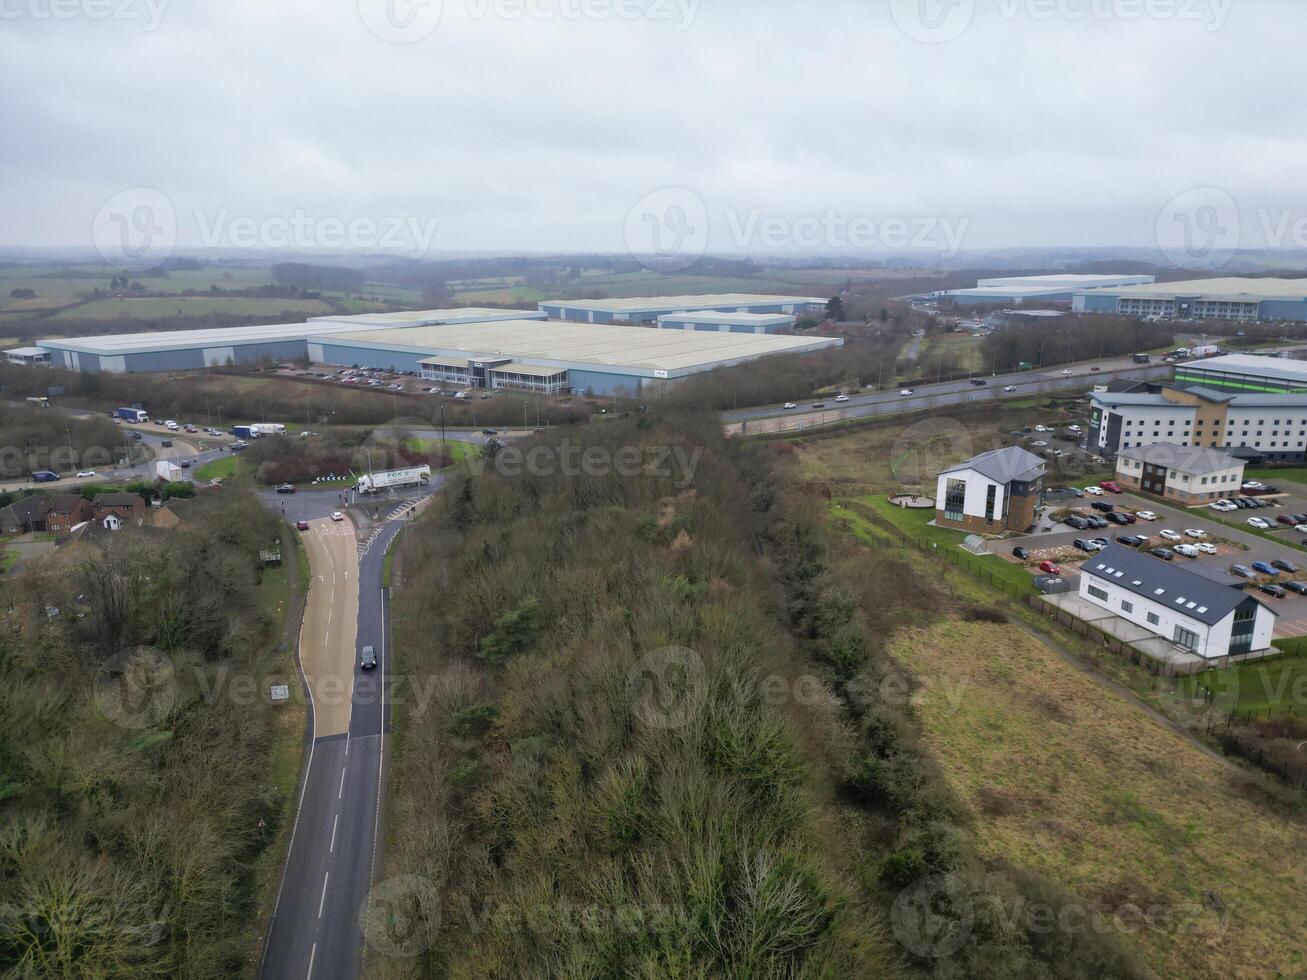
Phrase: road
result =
(315, 930)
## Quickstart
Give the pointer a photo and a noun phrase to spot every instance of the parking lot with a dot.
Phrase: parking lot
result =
(1234, 543)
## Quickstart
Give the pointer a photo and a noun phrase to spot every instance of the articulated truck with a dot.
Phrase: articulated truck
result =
(258, 430)
(132, 414)
(393, 479)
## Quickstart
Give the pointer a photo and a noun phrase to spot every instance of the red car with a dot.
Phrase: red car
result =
(1110, 486)
(1048, 568)
(301, 525)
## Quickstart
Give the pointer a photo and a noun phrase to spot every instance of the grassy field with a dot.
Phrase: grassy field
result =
(223, 468)
(8, 559)
(155, 306)
(460, 451)
(1280, 474)
(1069, 780)
(1262, 687)
(956, 348)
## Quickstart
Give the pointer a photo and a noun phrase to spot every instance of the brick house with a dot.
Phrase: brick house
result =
(63, 511)
(127, 507)
(991, 493)
(1186, 474)
(24, 515)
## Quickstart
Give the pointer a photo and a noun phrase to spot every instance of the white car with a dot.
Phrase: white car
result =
(171, 425)
(906, 391)
(85, 473)
(1073, 428)
(1260, 523)
(841, 398)
(1194, 532)
(791, 405)
(337, 515)
(1042, 428)
(1221, 506)
(1146, 515)
(1301, 528)
(1253, 485)
(1041, 442)
(1066, 371)
(1009, 387)
(1206, 547)
(1170, 535)
(1095, 491)
(1188, 550)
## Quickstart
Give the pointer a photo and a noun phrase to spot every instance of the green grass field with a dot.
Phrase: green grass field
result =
(155, 306)
(1261, 686)
(460, 451)
(218, 469)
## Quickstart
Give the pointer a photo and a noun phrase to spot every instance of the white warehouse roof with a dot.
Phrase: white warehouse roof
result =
(678, 304)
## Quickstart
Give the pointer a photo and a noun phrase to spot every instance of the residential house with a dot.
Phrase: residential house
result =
(65, 510)
(24, 515)
(991, 493)
(126, 506)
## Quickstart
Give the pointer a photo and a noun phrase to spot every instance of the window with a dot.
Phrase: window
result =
(1127, 606)
(989, 503)
(1152, 619)
(955, 493)
(1186, 638)
(1097, 593)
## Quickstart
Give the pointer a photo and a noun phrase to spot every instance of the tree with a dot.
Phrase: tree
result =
(835, 308)
(22, 292)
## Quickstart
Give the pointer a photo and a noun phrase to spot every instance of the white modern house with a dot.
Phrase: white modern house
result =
(991, 493)
(1194, 612)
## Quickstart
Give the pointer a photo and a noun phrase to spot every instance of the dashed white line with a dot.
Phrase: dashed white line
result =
(323, 901)
(341, 792)
(312, 953)
(332, 848)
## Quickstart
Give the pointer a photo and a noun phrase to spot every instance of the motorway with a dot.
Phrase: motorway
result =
(315, 930)
(948, 393)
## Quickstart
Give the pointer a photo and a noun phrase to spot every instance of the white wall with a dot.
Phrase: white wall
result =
(973, 504)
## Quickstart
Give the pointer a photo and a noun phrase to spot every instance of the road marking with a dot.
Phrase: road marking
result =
(335, 822)
(341, 792)
(326, 877)
(312, 953)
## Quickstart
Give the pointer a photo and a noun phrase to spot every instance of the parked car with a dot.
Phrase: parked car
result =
(302, 525)
(1077, 522)
(1170, 535)
(1111, 486)
(1222, 505)
(1104, 506)
(1048, 568)
(1261, 523)
(1095, 521)
(1095, 491)
(1243, 571)
(1118, 519)
(1040, 443)
(1284, 518)
(1265, 568)
(1251, 485)
(1188, 550)
(1145, 515)
(1166, 554)
(1296, 586)
(1129, 518)
(1089, 546)
(1300, 528)
(1273, 590)
(1021, 553)
(1284, 565)
(1101, 542)
(1195, 532)
(1206, 547)
(337, 515)
(1130, 540)
(368, 659)
(1243, 503)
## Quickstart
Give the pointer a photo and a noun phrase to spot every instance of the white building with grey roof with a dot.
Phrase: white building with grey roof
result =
(991, 493)
(1197, 614)
(1187, 475)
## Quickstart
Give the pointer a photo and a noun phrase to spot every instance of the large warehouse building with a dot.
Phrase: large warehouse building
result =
(553, 357)
(645, 310)
(1244, 372)
(179, 350)
(1017, 290)
(1203, 299)
(710, 322)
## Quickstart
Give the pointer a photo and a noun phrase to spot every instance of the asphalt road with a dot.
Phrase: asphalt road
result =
(959, 392)
(315, 930)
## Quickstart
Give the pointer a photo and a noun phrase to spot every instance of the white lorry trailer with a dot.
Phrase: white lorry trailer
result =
(393, 479)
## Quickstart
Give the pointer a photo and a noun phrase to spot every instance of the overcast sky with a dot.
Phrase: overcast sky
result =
(607, 124)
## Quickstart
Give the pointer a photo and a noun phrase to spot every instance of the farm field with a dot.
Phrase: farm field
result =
(156, 306)
(1101, 788)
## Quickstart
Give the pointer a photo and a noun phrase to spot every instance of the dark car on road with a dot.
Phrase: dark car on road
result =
(44, 476)
(1103, 506)
(1284, 565)
(1119, 519)
(1243, 571)
(1299, 587)
(286, 488)
(1021, 553)
(1166, 554)
(368, 658)
(490, 432)
(302, 525)
(1095, 521)
(1276, 591)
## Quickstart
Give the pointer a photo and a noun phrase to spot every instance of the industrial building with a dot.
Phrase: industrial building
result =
(27, 356)
(1202, 299)
(1249, 426)
(178, 350)
(1245, 372)
(1014, 291)
(709, 321)
(644, 311)
(1192, 611)
(553, 357)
